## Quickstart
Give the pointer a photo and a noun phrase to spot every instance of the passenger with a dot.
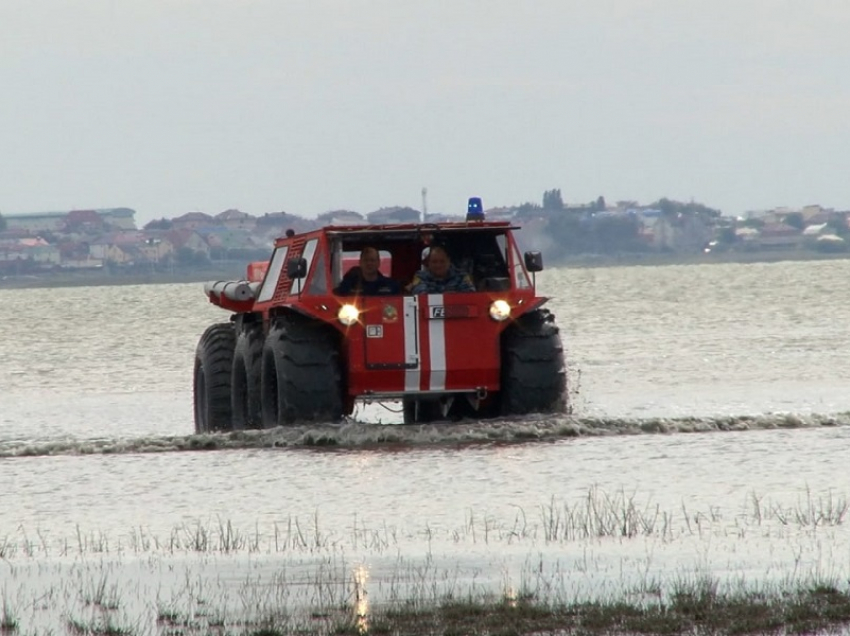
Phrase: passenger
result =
(367, 280)
(440, 276)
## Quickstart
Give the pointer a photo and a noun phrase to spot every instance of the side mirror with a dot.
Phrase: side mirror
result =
(296, 268)
(533, 261)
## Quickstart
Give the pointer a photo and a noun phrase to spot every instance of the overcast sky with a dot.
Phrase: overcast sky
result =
(172, 106)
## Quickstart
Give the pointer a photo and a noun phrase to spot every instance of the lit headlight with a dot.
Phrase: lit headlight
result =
(348, 315)
(500, 310)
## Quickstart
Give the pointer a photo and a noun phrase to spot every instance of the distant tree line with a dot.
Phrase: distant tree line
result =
(676, 209)
(584, 228)
(577, 233)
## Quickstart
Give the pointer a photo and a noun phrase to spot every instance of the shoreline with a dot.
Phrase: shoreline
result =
(32, 281)
(698, 258)
(100, 279)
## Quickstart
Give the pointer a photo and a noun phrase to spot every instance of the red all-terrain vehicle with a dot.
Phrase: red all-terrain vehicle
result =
(294, 351)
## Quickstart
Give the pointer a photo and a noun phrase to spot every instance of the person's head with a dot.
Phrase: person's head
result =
(439, 262)
(370, 261)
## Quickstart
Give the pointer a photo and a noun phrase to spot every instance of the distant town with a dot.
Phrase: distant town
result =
(108, 242)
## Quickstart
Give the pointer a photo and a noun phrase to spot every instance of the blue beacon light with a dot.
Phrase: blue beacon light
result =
(474, 209)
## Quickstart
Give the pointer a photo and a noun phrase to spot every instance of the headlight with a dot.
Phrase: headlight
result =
(348, 315)
(500, 310)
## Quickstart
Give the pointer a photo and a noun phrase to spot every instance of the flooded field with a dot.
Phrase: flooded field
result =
(706, 447)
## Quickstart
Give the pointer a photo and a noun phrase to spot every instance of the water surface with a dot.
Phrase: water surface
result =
(712, 399)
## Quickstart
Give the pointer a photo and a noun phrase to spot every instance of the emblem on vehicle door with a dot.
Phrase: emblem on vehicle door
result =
(390, 313)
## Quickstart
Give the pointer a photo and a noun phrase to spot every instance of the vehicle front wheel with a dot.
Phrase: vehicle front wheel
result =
(301, 378)
(212, 378)
(534, 376)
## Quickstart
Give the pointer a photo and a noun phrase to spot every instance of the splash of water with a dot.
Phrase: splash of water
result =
(359, 435)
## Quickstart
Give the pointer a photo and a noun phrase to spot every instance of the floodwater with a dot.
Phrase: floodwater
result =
(709, 438)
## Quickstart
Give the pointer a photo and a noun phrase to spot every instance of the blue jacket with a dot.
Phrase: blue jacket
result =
(353, 284)
(456, 281)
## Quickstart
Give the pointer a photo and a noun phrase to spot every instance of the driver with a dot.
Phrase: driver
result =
(367, 280)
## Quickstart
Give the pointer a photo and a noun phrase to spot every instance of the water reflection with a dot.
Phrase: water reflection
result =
(361, 599)
(510, 597)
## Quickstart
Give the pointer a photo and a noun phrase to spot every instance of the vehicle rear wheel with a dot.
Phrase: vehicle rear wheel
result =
(247, 374)
(212, 378)
(534, 376)
(301, 378)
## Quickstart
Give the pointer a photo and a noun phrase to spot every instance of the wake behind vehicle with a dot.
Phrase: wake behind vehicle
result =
(295, 351)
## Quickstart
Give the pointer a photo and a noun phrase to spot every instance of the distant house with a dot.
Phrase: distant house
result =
(341, 217)
(40, 251)
(188, 239)
(11, 251)
(226, 238)
(648, 218)
(129, 248)
(117, 218)
(275, 224)
(115, 246)
(156, 248)
(768, 217)
(775, 236)
(76, 255)
(84, 222)
(747, 236)
(235, 220)
(12, 235)
(192, 221)
(135, 256)
(680, 233)
(815, 214)
(109, 252)
(36, 222)
(32, 249)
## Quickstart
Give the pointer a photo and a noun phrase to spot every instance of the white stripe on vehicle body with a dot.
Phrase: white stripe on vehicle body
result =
(412, 376)
(273, 275)
(437, 345)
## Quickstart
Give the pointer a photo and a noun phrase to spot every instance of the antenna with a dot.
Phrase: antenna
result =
(424, 204)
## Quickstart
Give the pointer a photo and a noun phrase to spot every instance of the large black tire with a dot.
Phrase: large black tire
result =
(428, 411)
(211, 385)
(534, 376)
(301, 379)
(246, 392)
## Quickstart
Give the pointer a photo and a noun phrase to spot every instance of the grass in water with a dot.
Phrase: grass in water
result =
(695, 609)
